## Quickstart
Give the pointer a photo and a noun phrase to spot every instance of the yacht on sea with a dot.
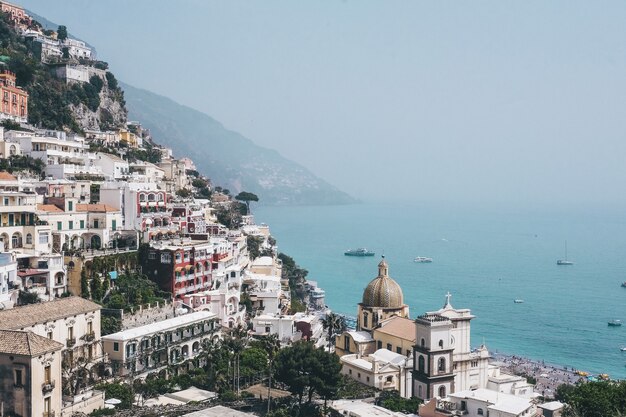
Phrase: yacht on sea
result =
(615, 323)
(564, 261)
(359, 252)
(422, 260)
(518, 301)
(624, 284)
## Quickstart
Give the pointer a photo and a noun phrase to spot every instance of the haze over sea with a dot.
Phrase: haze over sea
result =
(486, 257)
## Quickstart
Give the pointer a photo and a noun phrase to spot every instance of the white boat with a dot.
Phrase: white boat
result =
(564, 261)
(518, 301)
(623, 348)
(422, 260)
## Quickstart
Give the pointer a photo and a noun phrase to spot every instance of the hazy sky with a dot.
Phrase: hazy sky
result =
(519, 101)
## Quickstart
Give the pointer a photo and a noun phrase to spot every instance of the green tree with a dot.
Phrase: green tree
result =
(96, 82)
(62, 33)
(27, 297)
(247, 197)
(184, 193)
(394, 402)
(110, 325)
(306, 370)
(335, 324)
(271, 344)
(96, 288)
(84, 284)
(254, 245)
(122, 392)
(593, 399)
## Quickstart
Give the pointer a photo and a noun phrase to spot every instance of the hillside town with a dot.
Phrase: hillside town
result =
(123, 267)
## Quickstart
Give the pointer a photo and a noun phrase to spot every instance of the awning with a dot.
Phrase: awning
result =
(178, 269)
(188, 267)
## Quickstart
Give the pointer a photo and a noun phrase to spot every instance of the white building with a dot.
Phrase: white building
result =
(383, 370)
(444, 361)
(358, 408)
(160, 344)
(112, 166)
(480, 403)
(8, 279)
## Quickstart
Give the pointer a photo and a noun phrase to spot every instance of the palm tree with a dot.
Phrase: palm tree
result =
(335, 324)
(271, 344)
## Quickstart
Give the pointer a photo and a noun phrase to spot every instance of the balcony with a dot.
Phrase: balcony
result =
(70, 342)
(47, 387)
(89, 337)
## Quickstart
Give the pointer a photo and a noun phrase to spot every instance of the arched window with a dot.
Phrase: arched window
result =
(142, 197)
(441, 364)
(151, 197)
(442, 391)
(365, 323)
(160, 197)
(423, 342)
(29, 239)
(441, 344)
(420, 364)
(480, 412)
(12, 150)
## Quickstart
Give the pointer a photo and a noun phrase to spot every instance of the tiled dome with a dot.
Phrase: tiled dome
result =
(383, 291)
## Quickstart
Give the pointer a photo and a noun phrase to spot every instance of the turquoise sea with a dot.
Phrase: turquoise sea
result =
(486, 257)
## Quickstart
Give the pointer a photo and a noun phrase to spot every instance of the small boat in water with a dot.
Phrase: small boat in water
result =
(359, 252)
(564, 261)
(623, 348)
(518, 301)
(615, 323)
(624, 284)
(422, 260)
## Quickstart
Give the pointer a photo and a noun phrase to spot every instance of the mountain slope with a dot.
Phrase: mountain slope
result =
(228, 158)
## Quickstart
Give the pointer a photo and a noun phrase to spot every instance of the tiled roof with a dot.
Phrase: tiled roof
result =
(29, 315)
(95, 208)
(26, 343)
(5, 176)
(399, 327)
(49, 208)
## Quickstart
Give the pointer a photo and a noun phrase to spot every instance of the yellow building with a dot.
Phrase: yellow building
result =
(382, 299)
(30, 375)
(382, 319)
(129, 138)
(396, 334)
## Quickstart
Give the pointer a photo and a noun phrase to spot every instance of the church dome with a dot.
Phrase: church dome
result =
(383, 291)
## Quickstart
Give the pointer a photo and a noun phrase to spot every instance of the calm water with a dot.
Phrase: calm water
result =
(486, 258)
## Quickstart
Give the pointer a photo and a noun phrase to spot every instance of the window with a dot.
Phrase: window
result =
(70, 206)
(408, 352)
(399, 350)
(421, 363)
(166, 258)
(389, 379)
(70, 225)
(350, 371)
(50, 335)
(70, 332)
(152, 255)
(59, 225)
(96, 224)
(358, 375)
(379, 345)
(479, 412)
(90, 327)
(82, 224)
(116, 347)
(441, 365)
(267, 329)
(346, 343)
(43, 238)
(441, 344)
(389, 346)
(423, 342)
(19, 381)
(29, 239)
(113, 224)
(47, 374)
(365, 321)
(368, 379)
(442, 391)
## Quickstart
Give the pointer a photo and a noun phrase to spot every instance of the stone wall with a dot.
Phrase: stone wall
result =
(147, 315)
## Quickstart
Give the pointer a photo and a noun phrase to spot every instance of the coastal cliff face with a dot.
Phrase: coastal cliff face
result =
(228, 158)
(110, 114)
